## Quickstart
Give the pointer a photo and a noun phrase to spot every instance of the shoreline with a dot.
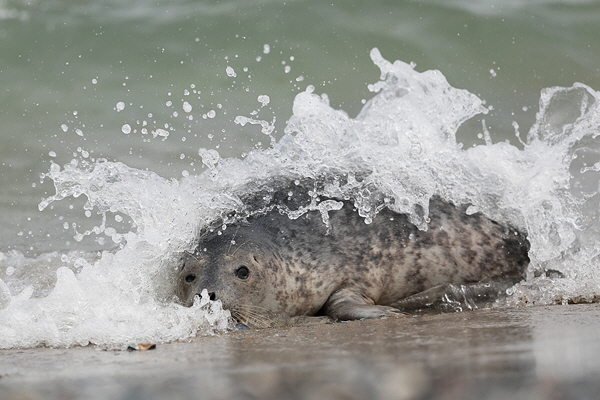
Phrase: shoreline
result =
(545, 352)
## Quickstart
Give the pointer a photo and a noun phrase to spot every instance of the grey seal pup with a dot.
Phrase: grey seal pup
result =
(270, 265)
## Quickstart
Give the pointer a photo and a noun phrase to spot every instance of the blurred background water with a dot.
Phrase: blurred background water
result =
(148, 83)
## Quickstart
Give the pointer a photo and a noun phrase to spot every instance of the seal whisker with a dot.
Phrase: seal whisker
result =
(233, 240)
(244, 311)
(250, 307)
(255, 311)
(239, 247)
(193, 255)
(252, 318)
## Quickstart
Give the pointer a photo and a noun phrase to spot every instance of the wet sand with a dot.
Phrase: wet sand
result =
(518, 353)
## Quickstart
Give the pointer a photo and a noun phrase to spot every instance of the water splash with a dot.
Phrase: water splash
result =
(398, 152)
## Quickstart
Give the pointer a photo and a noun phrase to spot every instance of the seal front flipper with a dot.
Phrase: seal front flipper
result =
(348, 304)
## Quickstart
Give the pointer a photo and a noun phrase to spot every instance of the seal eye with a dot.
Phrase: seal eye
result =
(242, 272)
(190, 278)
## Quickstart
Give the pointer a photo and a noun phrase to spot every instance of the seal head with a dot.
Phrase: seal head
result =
(235, 270)
(251, 274)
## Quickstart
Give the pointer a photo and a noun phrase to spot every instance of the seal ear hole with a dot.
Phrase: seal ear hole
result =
(254, 258)
(242, 272)
(189, 278)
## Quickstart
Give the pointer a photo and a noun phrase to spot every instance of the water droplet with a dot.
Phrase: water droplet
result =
(230, 72)
(160, 132)
(264, 99)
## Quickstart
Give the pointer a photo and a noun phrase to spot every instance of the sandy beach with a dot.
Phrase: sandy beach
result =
(526, 353)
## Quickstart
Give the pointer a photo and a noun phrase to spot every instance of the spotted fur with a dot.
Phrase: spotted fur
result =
(349, 270)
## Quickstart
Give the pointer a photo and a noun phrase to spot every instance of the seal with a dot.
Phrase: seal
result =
(269, 264)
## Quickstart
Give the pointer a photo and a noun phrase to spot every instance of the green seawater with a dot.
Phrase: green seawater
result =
(96, 78)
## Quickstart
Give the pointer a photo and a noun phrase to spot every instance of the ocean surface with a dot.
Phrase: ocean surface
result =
(128, 125)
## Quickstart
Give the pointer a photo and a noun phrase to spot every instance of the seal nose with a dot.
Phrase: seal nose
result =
(211, 295)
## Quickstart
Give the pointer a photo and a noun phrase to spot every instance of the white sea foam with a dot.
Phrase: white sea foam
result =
(398, 152)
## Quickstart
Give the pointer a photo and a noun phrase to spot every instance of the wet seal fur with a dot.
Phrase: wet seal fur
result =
(268, 265)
